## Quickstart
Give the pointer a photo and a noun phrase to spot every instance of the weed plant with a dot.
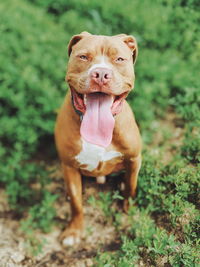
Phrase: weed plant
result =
(163, 226)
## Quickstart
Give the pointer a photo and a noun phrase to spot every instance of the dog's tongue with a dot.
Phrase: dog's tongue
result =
(98, 122)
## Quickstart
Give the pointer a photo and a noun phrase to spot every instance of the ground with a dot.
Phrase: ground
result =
(100, 233)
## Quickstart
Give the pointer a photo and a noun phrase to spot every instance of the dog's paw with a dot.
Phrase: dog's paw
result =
(71, 241)
(70, 237)
(101, 179)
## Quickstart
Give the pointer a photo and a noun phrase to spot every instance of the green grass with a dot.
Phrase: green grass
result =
(163, 226)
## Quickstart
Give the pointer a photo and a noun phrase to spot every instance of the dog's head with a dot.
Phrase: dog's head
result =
(100, 75)
(101, 64)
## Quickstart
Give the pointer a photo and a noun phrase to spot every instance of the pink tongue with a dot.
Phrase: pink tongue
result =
(98, 122)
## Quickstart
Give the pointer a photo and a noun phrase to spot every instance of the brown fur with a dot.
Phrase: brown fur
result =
(126, 136)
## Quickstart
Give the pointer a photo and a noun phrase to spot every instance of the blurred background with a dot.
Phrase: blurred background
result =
(33, 53)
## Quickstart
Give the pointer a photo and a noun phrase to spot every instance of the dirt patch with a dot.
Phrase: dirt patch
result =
(100, 234)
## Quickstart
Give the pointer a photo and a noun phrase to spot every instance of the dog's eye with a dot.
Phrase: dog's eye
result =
(120, 59)
(83, 57)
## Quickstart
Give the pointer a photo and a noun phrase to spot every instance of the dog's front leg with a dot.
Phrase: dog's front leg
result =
(72, 233)
(132, 169)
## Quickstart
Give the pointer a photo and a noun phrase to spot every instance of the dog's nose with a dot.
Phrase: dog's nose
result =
(101, 75)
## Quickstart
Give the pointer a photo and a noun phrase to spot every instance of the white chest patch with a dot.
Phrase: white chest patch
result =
(91, 155)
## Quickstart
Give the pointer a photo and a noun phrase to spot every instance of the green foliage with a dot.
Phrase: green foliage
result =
(41, 215)
(31, 86)
(169, 48)
(147, 243)
(34, 37)
(33, 244)
(32, 76)
(105, 203)
(169, 188)
(191, 144)
(170, 192)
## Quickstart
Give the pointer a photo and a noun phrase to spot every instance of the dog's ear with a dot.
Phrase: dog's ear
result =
(130, 41)
(75, 39)
(132, 44)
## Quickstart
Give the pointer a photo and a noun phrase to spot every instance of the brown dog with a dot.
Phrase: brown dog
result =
(96, 133)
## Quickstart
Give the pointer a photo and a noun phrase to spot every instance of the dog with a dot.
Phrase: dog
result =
(96, 133)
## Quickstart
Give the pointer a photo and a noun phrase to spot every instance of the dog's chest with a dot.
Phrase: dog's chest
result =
(91, 155)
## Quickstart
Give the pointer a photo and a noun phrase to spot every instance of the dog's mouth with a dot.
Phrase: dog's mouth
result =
(80, 101)
(98, 110)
